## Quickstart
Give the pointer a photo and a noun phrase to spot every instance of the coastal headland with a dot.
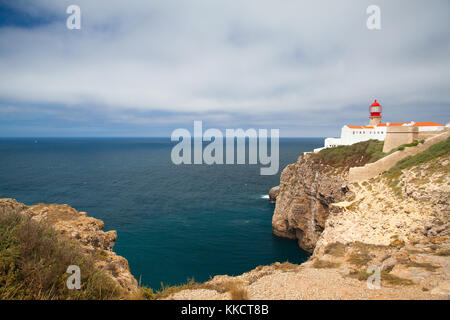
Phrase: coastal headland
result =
(394, 226)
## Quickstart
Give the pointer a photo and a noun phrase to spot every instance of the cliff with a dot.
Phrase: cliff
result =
(309, 187)
(306, 191)
(384, 238)
(394, 229)
(77, 232)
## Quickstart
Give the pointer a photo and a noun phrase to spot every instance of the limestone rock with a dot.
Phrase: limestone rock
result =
(442, 289)
(306, 191)
(273, 193)
(87, 231)
(351, 230)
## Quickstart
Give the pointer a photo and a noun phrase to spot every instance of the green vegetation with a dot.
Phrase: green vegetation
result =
(357, 154)
(335, 249)
(362, 256)
(425, 265)
(239, 293)
(285, 266)
(435, 151)
(167, 290)
(321, 264)
(390, 278)
(367, 247)
(362, 275)
(403, 146)
(397, 243)
(34, 260)
(414, 251)
(359, 259)
(144, 293)
(235, 288)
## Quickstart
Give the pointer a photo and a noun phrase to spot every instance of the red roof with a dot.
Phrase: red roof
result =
(398, 124)
(428, 124)
(395, 124)
(360, 127)
(375, 104)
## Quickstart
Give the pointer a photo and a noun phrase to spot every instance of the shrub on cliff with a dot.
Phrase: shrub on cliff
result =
(34, 260)
(354, 155)
(404, 146)
(435, 151)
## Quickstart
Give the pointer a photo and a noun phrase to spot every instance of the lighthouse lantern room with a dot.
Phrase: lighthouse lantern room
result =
(375, 113)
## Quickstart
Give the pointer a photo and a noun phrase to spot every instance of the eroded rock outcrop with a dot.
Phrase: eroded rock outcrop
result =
(273, 193)
(86, 230)
(400, 230)
(307, 189)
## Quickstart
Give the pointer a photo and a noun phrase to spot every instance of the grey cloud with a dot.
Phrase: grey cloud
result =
(249, 61)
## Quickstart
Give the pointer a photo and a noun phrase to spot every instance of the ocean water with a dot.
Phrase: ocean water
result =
(173, 222)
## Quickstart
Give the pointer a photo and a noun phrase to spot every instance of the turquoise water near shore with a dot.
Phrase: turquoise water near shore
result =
(173, 222)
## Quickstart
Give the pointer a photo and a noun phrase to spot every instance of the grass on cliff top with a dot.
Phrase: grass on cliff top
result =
(34, 260)
(325, 264)
(335, 249)
(363, 275)
(435, 151)
(355, 155)
(235, 289)
(358, 154)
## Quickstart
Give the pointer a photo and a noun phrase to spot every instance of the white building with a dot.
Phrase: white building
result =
(377, 130)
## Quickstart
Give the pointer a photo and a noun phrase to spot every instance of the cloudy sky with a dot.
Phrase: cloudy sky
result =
(145, 68)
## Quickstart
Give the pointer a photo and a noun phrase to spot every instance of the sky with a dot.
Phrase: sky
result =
(145, 68)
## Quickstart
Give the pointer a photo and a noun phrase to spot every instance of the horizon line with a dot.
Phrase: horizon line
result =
(125, 137)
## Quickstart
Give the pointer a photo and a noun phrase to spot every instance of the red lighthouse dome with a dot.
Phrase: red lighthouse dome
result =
(375, 109)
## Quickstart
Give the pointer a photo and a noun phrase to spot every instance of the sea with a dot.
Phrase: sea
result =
(174, 222)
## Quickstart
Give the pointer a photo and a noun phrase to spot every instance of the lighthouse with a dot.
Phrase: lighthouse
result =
(375, 113)
(393, 134)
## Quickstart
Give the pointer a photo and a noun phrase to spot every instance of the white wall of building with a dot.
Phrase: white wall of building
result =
(353, 135)
(332, 142)
(350, 136)
(431, 128)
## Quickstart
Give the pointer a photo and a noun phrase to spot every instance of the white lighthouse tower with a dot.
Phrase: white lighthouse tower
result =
(375, 114)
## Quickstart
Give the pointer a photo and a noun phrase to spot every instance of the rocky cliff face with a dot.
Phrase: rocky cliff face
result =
(398, 233)
(85, 230)
(307, 189)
